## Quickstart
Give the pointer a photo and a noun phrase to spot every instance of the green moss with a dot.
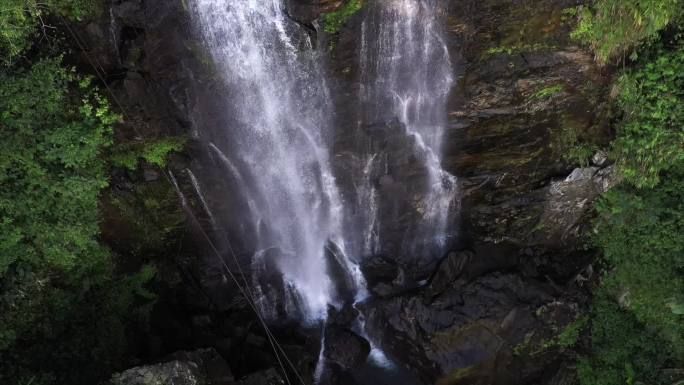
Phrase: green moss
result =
(156, 152)
(566, 339)
(459, 375)
(547, 92)
(526, 27)
(571, 142)
(519, 48)
(334, 21)
(570, 335)
(524, 346)
(208, 69)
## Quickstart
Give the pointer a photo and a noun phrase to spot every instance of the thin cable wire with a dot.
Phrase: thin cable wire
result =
(244, 292)
(232, 252)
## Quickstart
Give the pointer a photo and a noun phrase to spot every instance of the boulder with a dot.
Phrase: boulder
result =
(345, 348)
(469, 333)
(202, 367)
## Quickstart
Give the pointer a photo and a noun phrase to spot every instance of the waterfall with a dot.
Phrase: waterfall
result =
(275, 146)
(406, 77)
(278, 136)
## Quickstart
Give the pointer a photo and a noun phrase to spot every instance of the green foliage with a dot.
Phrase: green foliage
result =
(16, 27)
(571, 146)
(61, 307)
(580, 154)
(21, 20)
(518, 48)
(637, 325)
(614, 27)
(651, 136)
(640, 234)
(334, 21)
(50, 171)
(624, 351)
(570, 335)
(566, 339)
(548, 92)
(155, 152)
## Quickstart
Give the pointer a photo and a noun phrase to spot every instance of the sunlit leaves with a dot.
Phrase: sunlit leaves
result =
(651, 136)
(614, 28)
(60, 304)
(22, 20)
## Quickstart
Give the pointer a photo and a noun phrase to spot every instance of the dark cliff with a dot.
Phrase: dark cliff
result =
(527, 116)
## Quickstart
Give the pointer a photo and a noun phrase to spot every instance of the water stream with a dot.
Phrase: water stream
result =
(277, 147)
(280, 133)
(407, 76)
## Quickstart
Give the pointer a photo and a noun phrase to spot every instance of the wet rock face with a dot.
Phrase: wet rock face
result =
(526, 97)
(473, 323)
(344, 349)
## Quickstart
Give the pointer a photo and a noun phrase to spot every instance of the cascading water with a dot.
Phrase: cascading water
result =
(279, 109)
(407, 76)
(276, 147)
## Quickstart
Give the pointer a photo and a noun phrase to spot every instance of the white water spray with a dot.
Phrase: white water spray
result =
(280, 108)
(407, 75)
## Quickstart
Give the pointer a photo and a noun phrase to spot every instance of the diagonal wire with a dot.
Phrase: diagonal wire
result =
(245, 292)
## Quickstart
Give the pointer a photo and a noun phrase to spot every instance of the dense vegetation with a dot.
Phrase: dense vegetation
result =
(21, 21)
(65, 304)
(615, 28)
(637, 329)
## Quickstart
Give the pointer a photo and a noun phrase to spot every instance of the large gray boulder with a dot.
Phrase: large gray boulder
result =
(201, 367)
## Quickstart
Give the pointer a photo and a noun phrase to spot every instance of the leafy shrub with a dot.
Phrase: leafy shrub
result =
(128, 155)
(20, 21)
(50, 171)
(63, 314)
(624, 351)
(637, 325)
(640, 235)
(614, 27)
(651, 136)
